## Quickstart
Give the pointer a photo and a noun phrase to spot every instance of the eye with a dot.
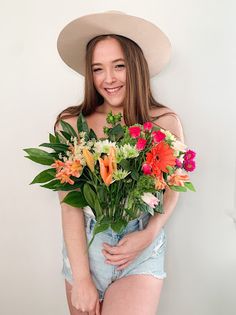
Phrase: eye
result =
(96, 69)
(120, 66)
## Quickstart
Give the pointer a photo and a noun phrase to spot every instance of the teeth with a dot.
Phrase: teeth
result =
(113, 90)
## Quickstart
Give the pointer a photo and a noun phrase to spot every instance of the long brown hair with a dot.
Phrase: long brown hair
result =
(138, 100)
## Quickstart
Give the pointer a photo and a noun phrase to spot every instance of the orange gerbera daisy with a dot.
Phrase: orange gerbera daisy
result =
(160, 156)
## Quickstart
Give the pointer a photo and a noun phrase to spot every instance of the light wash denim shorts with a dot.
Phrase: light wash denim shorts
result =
(149, 262)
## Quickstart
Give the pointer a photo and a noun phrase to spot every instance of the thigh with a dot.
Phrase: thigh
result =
(133, 295)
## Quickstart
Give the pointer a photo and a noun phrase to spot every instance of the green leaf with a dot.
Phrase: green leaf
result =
(39, 156)
(92, 134)
(68, 128)
(118, 226)
(82, 124)
(125, 164)
(170, 169)
(135, 174)
(51, 185)
(52, 138)
(75, 199)
(44, 176)
(92, 199)
(116, 132)
(59, 147)
(98, 228)
(178, 188)
(190, 186)
(66, 135)
(67, 187)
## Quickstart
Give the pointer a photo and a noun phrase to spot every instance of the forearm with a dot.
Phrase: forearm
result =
(157, 221)
(75, 239)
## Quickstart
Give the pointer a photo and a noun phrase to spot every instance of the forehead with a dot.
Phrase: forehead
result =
(107, 50)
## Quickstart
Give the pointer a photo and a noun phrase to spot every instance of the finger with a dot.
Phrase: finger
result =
(116, 257)
(97, 310)
(116, 263)
(121, 267)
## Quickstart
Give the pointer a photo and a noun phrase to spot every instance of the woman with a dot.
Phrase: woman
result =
(120, 274)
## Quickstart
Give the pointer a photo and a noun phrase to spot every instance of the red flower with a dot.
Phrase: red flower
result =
(140, 145)
(158, 136)
(147, 170)
(159, 157)
(189, 165)
(189, 155)
(134, 131)
(147, 126)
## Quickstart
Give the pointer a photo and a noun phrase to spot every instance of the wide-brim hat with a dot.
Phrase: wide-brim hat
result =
(73, 38)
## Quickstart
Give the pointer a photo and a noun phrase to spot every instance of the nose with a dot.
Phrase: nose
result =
(109, 76)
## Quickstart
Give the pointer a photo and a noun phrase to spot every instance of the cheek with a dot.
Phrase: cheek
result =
(97, 81)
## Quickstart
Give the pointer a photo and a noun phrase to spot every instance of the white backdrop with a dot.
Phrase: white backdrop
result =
(197, 84)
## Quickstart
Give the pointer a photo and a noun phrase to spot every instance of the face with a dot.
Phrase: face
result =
(109, 72)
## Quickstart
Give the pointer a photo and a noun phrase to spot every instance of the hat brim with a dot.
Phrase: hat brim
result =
(73, 38)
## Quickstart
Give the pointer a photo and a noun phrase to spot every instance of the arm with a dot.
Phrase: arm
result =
(75, 239)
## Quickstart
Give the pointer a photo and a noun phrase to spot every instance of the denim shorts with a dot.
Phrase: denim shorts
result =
(149, 262)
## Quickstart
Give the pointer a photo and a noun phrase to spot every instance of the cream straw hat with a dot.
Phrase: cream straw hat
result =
(73, 38)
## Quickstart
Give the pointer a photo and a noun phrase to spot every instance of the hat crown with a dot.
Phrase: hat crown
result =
(114, 12)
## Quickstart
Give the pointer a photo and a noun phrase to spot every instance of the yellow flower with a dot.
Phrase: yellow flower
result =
(89, 159)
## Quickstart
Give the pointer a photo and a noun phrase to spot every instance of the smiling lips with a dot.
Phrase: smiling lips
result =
(112, 91)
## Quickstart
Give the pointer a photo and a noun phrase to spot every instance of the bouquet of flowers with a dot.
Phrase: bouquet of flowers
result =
(119, 176)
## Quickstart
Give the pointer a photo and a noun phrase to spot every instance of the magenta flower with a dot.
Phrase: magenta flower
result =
(140, 145)
(158, 136)
(146, 168)
(134, 131)
(147, 126)
(189, 155)
(178, 163)
(189, 165)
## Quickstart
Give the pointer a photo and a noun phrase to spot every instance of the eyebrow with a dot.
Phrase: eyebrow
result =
(98, 64)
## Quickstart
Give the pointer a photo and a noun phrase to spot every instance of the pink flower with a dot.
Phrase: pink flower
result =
(147, 126)
(134, 131)
(150, 199)
(189, 155)
(146, 169)
(178, 163)
(158, 136)
(140, 145)
(189, 165)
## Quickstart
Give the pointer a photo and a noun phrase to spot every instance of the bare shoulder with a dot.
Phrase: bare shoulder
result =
(169, 121)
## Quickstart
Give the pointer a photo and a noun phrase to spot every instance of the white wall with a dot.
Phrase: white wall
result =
(198, 85)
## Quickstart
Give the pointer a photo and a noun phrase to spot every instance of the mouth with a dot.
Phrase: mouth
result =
(113, 91)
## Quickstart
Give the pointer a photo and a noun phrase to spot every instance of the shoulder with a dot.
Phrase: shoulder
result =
(168, 120)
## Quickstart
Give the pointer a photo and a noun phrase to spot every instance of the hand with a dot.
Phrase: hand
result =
(128, 248)
(84, 296)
